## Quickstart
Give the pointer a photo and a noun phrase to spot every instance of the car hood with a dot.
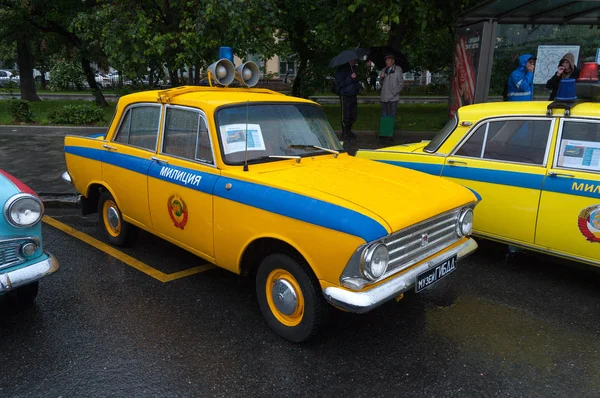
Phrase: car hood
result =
(394, 196)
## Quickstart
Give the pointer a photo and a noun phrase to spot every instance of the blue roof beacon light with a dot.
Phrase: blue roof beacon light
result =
(226, 52)
(566, 91)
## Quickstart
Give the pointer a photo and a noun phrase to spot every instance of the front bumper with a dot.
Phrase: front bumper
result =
(365, 301)
(10, 280)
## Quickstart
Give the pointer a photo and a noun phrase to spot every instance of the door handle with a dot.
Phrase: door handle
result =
(159, 160)
(110, 148)
(450, 161)
(555, 174)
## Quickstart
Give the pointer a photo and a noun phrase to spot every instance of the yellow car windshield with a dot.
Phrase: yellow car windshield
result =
(271, 131)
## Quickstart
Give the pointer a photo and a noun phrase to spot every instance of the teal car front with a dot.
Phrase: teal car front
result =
(23, 261)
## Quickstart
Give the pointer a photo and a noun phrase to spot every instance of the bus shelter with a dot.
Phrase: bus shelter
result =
(476, 38)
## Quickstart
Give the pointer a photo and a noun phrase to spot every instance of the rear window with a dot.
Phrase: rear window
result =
(442, 136)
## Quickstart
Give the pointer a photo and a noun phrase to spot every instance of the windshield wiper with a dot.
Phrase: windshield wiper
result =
(301, 146)
(267, 157)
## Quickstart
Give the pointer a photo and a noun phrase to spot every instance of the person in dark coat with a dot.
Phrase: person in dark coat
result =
(348, 84)
(566, 69)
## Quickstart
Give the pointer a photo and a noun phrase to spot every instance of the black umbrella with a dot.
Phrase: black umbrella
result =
(347, 55)
(377, 56)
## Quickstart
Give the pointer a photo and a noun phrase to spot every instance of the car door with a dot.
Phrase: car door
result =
(127, 157)
(504, 161)
(181, 181)
(569, 215)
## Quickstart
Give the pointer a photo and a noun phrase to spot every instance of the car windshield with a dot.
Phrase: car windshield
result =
(442, 136)
(274, 131)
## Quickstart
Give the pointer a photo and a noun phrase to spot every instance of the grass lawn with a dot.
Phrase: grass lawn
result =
(411, 117)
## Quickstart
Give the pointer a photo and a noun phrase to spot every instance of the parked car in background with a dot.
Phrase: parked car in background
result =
(257, 183)
(23, 261)
(536, 166)
(7, 76)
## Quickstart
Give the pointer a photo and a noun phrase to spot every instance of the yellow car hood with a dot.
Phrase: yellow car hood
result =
(394, 196)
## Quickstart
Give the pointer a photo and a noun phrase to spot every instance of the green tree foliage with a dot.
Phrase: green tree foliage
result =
(66, 74)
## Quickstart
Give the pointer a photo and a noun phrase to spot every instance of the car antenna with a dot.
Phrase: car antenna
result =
(246, 137)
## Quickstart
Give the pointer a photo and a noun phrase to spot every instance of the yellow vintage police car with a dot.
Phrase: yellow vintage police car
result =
(536, 166)
(257, 183)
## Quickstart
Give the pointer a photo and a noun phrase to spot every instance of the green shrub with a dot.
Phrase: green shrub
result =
(64, 74)
(20, 110)
(77, 114)
(10, 87)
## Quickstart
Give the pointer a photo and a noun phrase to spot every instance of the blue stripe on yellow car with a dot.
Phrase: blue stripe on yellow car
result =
(271, 199)
(570, 186)
(573, 186)
(302, 208)
(511, 178)
(435, 169)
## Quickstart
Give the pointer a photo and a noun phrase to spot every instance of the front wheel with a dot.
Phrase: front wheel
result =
(117, 231)
(290, 298)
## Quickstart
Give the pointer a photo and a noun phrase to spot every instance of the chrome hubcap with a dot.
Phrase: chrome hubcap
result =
(284, 297)
(113, 217)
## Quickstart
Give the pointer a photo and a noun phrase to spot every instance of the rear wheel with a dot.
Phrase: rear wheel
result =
(25, 295)
(116, 230)
(290, 298)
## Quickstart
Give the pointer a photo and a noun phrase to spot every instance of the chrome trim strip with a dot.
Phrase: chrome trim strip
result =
(13, 279)
(361, 302)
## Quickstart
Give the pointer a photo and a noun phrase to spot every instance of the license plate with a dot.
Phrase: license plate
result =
(432, 275)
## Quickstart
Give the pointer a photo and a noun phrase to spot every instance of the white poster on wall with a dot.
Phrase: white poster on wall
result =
(548, 58)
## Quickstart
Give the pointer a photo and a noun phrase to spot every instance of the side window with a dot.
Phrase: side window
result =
(580, 146)
(522, 141)
(472, 147)
(186, 135)
(3, 74)
(140, 127)
(123, 133)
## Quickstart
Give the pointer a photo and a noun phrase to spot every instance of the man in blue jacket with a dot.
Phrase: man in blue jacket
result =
(520, 81)
(349, 86)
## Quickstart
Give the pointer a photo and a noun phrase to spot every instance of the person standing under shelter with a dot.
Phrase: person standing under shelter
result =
(348, 85)
(520, 81)
(391, 84)
(566, 69)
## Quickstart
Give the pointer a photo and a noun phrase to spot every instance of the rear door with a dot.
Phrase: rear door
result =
(504, 161)
(569, 216)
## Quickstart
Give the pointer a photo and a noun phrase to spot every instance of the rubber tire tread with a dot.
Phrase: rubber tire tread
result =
(316, 309)
(128, 232)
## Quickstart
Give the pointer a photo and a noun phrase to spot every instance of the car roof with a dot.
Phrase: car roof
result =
(525, 108)
(209, 97)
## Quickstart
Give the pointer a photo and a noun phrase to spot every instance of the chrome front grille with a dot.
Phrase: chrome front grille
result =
(10, 254)
(415, 243)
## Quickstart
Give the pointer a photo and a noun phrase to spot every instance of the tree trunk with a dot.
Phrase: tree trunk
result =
(91, 79)
(190, 74)
(174, 77)
(298, 88)
(25, 59)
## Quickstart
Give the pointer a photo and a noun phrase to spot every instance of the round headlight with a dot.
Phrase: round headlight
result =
(375, 261)
(23, 210)
(465, 223)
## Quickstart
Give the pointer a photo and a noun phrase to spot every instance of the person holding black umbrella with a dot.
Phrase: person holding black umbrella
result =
(391, 84)
(348, 85)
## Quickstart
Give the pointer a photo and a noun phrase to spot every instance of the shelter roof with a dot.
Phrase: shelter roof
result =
(535, 12)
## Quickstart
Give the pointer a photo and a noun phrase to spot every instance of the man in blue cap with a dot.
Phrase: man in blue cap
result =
(520, 81)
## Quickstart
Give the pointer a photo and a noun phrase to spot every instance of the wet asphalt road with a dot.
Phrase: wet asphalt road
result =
(522, 326)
